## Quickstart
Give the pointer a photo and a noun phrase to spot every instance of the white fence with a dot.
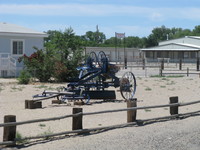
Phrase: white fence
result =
(7, 65)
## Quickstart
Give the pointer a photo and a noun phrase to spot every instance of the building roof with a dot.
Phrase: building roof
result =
(7, 29)
(110, 49)
(182, 40)
(193, 37)
(174, 47)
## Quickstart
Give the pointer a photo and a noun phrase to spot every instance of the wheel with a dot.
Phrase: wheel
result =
(128, 85)
(94, 59)
(102, 58)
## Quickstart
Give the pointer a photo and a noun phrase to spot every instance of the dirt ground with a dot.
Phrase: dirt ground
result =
(179, 134)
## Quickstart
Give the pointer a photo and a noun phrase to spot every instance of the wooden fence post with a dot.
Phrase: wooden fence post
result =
(31, 104)
(131, 114)
(9, 132)
(77, 122)
(187, 72)
(180, 64)
(198, 64)
(143, 63)
(125, 63)
(173, 109)
(162, 64)
(161, 72)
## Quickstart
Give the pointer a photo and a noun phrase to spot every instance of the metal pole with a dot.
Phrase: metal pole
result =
(125, 57)
(115, 48)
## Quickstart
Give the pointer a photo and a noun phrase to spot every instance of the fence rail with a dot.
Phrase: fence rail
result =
(131, 110)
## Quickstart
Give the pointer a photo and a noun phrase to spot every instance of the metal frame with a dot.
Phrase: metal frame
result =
(92, 83)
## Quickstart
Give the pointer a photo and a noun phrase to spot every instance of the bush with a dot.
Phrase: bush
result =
(39, 64)
(24, 77)
(60, 58)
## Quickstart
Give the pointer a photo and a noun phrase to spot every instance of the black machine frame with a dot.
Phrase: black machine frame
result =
(95, 77)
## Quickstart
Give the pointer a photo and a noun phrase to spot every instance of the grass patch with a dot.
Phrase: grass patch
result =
(1, 88)
(148, 89)
(147, 110)
(171, 83)
(41, 86)
(165, 79)
(170, 76)
(45, 87)
(42, 125)
(173, 89)
(46, 133)
(15, 88)
(175, 76)
(163, 86)
(156, 76)
(20, 138)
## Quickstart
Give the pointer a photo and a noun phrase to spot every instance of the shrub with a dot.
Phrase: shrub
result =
(39, 64)
(24, 77)
(62, 55)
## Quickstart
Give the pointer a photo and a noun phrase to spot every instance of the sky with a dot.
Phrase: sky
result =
(132, 17)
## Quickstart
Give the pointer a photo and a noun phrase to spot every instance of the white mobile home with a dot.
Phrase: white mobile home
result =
(186, 48)
(15, 41)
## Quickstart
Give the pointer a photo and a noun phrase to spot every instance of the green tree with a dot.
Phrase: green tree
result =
(94, 38)
(60, 58)
(196, 31)
(134, 41)
(68, 50)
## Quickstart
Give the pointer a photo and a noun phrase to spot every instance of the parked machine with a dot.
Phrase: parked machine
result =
(95, 77)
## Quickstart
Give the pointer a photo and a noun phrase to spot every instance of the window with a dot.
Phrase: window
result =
(17, 47)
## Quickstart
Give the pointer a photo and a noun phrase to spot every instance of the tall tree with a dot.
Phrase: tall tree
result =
(196, 30)
(68, 49)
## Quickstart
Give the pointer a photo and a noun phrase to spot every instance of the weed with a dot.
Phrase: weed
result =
(156, 76)
(148, 89)
(14, 88)
(147, 110)
(51, 88)
(45, 87)
(175, 76)
(20, 138)
(190, 79)
(163, 86)
(1, 88)
(170, 76)
(173, 89)
(42, 86)
(46, 133)
(165, 79)
(171, 83)
(60, 88)
(42, 125)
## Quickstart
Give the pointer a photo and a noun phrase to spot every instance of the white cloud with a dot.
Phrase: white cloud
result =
(154, 14)
(70, 9)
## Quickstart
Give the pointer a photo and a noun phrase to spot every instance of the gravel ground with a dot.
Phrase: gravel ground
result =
(179, 134)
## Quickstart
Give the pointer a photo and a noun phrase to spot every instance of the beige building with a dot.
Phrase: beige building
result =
(117, 54)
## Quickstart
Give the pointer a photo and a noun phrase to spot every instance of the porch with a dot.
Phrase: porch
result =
(8, 65)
